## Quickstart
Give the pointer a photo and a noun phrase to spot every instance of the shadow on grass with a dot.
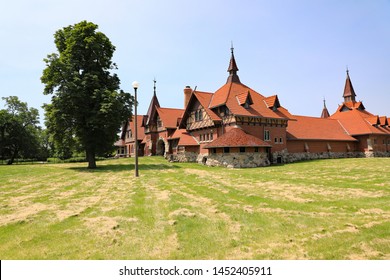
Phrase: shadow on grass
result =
(125, 167)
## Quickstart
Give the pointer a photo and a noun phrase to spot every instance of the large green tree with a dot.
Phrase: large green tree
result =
(87, 103)
(19, 130)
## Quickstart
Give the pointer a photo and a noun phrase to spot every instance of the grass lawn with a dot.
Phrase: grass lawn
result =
(327, 209)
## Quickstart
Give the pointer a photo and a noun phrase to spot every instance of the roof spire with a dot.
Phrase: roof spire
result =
(233, 77)
(154, 87)
(325, 113)
(349, 93)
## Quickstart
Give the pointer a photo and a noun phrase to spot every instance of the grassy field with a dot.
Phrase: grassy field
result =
(329, 209)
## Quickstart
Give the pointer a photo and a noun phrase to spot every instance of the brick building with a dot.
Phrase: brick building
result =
(237, 126)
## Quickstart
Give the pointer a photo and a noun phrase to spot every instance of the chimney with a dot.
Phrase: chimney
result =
(187, 94)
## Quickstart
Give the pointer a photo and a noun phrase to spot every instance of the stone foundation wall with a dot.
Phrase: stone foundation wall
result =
(377, 154)
(285, 157)
(250, 160)
(183, 157)
(235, 160)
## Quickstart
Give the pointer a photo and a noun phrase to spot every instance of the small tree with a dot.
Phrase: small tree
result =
(86, 103)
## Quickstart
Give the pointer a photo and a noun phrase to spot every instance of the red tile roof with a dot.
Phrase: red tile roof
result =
(374, 120)
(358, 122)
(140, 130)
(169, 116)
(204, 98)
(120, 143)
(351, 105)
(226, 95)
(237, 137)
(383, 121)
(311, 128)
(272, 101)
(242, 98)
(185, 138)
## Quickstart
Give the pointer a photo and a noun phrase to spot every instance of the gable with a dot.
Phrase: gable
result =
(198, 110)
(168, 117)
(244, 99)
(272, 102)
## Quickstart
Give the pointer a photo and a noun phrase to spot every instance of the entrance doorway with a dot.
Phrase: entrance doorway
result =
(160, 147)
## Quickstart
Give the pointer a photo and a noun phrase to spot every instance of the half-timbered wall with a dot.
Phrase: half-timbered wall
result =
(198, 118)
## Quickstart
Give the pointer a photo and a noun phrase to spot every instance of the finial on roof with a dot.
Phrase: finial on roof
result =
(349, 93)
(233, 77)
(154, 87)
(325, 113)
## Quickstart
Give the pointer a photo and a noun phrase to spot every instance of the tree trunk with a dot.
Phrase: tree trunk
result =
(12, 159)
(91, 158)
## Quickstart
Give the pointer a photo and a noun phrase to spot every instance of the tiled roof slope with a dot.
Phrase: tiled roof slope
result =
(272, 101)
(359, 122)
(311, 128)
(169, 116)
(204, 98)
(351, 105)
(236, 137)
(140, 130)
(383, 120)
(185, 138)
(227, 95)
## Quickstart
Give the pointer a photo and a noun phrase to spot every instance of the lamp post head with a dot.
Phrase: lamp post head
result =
(135, 84)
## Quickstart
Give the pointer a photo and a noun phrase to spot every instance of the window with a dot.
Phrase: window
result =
(242, 149)
(198, 115)
(280, 140)
(256, 149)
(276, 139)
(266, 135)
(201, 137)
(226, 150)
(211, 136)
(214, 150)
(224, 111)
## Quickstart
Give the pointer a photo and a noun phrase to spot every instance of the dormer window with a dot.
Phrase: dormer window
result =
(244, 99)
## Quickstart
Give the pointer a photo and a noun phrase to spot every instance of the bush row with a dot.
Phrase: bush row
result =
(71, 160)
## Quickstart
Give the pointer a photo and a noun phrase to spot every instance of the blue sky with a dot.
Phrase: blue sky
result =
(296, 49)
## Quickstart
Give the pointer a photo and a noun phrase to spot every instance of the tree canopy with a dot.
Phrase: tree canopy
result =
(19, 130)
(87, 104)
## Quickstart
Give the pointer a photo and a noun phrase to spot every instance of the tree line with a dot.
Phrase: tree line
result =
(87, 105)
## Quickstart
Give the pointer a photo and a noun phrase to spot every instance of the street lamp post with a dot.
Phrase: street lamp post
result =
(135, 85)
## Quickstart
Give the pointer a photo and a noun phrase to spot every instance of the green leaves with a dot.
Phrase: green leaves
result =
(87, 103)
(19, 133)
